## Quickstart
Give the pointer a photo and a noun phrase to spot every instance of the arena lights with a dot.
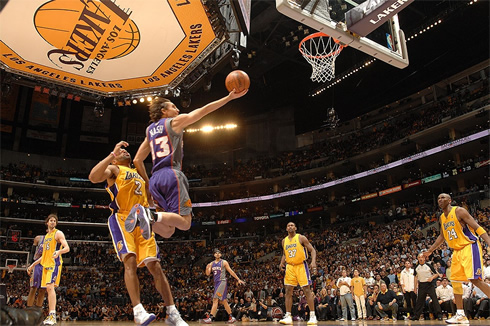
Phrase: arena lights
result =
(425, 29)
(343, 76)
(208, 129)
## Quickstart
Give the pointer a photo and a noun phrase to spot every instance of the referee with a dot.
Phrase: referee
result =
(424, 275)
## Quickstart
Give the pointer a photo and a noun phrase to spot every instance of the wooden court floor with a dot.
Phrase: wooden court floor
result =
(346, 323)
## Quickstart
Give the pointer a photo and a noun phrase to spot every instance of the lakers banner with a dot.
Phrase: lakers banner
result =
(107, 46)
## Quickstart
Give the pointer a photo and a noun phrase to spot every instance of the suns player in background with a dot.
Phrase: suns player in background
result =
(168, 184)
(295, 261)
(54, 245)
(460, 230)
(218, 267)
(127, 188)
(36, 275)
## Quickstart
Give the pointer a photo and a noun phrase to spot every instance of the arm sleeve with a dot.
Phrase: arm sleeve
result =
(33, 252)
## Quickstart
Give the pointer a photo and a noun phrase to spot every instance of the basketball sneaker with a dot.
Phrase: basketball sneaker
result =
(141, 216)
(144, 318)
(174, 319)
(287, 320)
(458, 319)
(231, 320)
(50, 320)
(312, 321)
(208, 320)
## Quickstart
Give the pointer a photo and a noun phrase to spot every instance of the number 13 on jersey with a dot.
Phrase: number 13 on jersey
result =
(161, 147)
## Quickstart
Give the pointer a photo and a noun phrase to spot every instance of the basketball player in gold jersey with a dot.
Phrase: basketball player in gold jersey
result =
(54, 246)
(294, 260)
(460, 230)
(127, 188)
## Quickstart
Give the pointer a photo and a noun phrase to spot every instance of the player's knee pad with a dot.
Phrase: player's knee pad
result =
(457, 288)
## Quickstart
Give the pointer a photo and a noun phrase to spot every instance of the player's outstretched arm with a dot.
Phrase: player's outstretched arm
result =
(464, 215)
(232, 273)
(439, 241)
(184, 120)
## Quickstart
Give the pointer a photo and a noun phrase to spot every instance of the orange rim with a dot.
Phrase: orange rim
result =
(320, 34)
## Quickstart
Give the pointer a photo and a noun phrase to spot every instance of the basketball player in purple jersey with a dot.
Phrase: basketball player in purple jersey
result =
(168, 185)
(219, 267)
(36, 276)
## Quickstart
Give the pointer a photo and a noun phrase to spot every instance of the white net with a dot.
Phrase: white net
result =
(321, 50)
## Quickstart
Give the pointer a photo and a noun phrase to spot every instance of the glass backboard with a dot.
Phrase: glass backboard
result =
(386, 42)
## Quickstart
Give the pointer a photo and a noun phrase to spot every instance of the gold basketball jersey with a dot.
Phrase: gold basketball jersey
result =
(294, 251)
(128, 190)
(49, 247)
(457, 236)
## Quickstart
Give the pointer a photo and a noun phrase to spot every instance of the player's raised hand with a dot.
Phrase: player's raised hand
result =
(234, 94)
(117, 148)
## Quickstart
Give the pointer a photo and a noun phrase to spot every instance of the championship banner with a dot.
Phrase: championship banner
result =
(105, 46)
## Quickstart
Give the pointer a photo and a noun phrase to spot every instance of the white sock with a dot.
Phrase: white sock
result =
(138, 309)
(287, 314)
(159, 219)
(171, 308)
(52, 312)
(460, 312)
(312, 314)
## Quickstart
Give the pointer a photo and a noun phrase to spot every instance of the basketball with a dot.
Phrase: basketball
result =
(238, 80)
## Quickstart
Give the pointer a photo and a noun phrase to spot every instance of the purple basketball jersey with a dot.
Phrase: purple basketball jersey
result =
(166, 145)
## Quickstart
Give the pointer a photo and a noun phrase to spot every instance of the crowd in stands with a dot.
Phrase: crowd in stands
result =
(92, 285)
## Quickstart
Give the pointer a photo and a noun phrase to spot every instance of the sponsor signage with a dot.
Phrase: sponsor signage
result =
(482, 163)
(241, 220)
(105, 46)
(412, 184)
(432, 178)
(369, 196)
(79, 180)
(390, 191)
(293, 213)
(371, 14)
(223, 222)
(261, 218)
(65, 205)
(276, 215)
(208, 223)
(315, 209)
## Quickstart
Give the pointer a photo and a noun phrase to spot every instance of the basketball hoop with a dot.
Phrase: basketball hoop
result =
(321, 50)
(11, 268)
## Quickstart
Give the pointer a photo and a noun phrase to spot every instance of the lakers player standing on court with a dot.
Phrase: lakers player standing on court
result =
(54, 246)
(36, 276)
(127, 188)
(460, 230)
(294, 260)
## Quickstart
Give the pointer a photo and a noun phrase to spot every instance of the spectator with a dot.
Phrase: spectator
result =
(344, 285)
(386, 301)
